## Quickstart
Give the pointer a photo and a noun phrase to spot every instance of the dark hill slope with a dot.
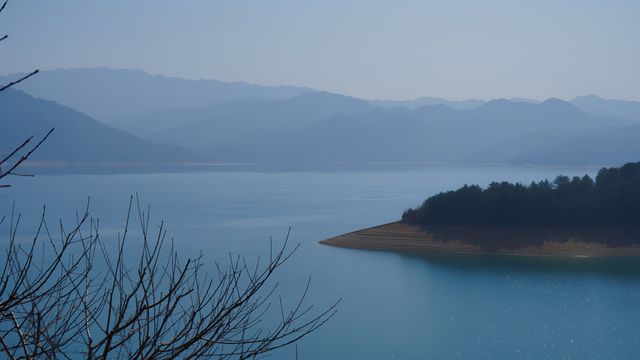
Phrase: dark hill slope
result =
(77, 137)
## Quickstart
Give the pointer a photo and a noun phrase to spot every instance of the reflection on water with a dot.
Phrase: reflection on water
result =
(596, 266)
(395, 306)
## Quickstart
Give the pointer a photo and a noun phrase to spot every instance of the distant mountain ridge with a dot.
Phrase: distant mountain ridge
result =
(77, 138)
(467, 104)
(247, 122)
(295, 112)
(429, 101)
(610, 146)
(116, 94)
(107, 94)
(606, 107)
(237, 121)
(592, 104)
(357, 131)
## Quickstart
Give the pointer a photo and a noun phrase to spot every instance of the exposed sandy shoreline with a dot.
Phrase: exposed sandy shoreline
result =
(402, 237)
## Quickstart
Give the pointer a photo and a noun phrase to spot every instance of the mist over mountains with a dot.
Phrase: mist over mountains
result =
(620, 108)
(133, 116)
(429, 134)
(108, 95)
(77, 138)
(591, 104)
(240, 120)
(600, 146)
(429, 101)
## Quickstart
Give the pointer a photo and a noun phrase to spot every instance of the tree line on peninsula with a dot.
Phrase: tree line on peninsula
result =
(612, 200)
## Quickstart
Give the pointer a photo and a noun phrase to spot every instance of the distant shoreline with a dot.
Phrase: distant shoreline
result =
(108, 168)
(451, 240)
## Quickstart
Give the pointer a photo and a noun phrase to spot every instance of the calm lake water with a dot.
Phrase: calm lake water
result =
(395, 306)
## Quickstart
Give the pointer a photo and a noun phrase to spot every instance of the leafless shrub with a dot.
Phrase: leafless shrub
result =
(73, 295)
(83, 297)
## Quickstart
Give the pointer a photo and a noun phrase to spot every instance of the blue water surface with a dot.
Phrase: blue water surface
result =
(394, 306)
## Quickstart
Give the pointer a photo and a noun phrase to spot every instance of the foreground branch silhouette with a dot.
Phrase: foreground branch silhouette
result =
(22, 152)
(82, 296)
(75, 295)
(16, 157)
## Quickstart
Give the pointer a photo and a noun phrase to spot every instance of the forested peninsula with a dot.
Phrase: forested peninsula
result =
(566, 216)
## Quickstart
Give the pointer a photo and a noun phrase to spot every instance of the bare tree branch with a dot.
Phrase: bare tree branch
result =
(3, 6)
(15, 151)
(77, 296)
(15, 82)
(12, 167)
(142, 304)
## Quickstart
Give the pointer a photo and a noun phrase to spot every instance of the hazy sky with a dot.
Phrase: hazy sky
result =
(370, 48)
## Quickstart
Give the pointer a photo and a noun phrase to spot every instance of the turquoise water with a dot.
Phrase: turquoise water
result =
(395, 306)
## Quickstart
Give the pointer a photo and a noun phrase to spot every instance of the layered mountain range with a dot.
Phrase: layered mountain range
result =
(130, 116)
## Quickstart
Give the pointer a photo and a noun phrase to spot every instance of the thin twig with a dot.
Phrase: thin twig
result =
(15, 82)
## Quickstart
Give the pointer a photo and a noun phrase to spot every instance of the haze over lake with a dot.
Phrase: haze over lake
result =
(394, 305)
(456, 179)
